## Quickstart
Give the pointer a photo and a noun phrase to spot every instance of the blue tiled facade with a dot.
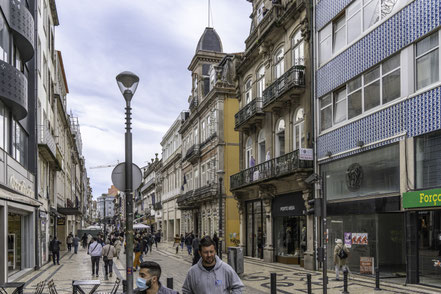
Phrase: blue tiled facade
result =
(413, 116)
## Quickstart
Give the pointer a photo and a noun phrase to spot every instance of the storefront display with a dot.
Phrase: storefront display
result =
(14, 243)
(255, 229)
(289, 228)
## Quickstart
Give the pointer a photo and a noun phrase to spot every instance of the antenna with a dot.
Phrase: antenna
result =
(209, 12)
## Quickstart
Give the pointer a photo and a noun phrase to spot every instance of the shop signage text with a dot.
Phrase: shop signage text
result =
(427, 198)
(21, 186)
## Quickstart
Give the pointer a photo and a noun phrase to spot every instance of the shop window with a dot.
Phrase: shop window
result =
(260, 81)
(280, 138)
(427, 61)
(299, 129)
(262, 146)
(428, 160)
(374, 172)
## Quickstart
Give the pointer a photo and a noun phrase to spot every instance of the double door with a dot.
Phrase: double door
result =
(255, 229)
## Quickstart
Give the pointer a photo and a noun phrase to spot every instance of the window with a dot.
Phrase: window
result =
(203, 131)
(280, 138)
(298, 54)
(427, 61)
(325, 44)
(428, 160)
(260, 12)
(195, 86)
(212, 77)
(260, 81)
(354, 21)
(203, 175)
(248, 152)
(279, 63)
(299, 129)
(339, 33)
(248, 91)
(4, 39)
(19, 143)
(196, 178)
(378, 86)
(261, 146)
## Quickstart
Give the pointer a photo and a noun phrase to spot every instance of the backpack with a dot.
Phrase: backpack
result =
(342, 254)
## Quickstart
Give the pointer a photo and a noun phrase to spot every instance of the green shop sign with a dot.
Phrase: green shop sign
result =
(426, 198)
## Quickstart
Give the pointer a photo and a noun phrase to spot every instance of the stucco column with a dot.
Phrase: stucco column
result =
(268, 251)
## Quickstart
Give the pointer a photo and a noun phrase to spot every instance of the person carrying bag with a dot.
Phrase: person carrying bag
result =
(109, 252)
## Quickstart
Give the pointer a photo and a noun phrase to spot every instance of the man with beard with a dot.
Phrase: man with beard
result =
(211, 274)
(148, 281)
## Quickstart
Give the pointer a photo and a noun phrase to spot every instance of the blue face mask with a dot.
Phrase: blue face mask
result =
(141, 284)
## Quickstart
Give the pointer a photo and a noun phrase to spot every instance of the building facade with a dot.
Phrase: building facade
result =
(170, 177)
(275, 133)
(151, 203)
(378, 127)
(209, 143)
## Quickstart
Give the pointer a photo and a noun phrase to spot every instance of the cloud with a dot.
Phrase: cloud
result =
(154, 39)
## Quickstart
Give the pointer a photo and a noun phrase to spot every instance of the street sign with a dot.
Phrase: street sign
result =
(306, 154)
(119, 177)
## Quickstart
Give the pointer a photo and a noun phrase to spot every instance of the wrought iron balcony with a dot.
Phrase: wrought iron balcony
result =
(294, 77)
(193, 198)
(272, 169)
(192, 153)
(46, 144)
(248, 111)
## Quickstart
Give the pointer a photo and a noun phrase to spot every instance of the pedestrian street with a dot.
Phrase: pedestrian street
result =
(290, 279)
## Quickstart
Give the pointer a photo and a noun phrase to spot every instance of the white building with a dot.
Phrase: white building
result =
(105, 206)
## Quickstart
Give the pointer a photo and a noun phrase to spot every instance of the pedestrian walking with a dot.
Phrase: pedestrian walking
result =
(150, 241)
(137, 250)
(211, 274)
(69, 241)
(188, 240)
(109, 252)
(157, 237)
(182, 241)
(216, 241)
(84, 241)
(95, 252)
(148, 280)
(118, 245)
(176, 242)
(54, 247)
(75, 243)
(341, 254)
(195, 245)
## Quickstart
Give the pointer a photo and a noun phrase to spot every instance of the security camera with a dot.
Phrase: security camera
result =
(312, 179)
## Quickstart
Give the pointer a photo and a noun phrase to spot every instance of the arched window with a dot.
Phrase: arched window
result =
(279, 66)
(260, 81)
(262, 147)
(248, 152)
(280, 138)
(297, 45)
(248, 91)
(298, 130)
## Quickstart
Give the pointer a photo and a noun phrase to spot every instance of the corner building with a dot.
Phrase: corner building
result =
(274, 126)
(209, 143)
(378, 125)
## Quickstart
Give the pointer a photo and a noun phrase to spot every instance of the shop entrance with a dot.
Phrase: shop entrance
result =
(429, 247)
(14, 243)
(255, 229)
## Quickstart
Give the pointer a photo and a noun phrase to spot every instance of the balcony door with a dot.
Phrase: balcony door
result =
(298, 130)
(261, 146)
(280, 138)
(248, 152)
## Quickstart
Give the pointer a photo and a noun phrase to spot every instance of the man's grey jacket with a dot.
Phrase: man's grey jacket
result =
(221, 279)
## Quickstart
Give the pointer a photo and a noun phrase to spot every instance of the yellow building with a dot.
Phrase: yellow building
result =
(210, 145)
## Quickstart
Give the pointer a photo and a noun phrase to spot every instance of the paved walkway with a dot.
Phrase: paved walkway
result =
(290, 279)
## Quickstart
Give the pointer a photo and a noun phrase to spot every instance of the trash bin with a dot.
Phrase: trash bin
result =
(235, 259)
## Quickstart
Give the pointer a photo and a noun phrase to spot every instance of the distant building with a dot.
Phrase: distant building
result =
(105, 207)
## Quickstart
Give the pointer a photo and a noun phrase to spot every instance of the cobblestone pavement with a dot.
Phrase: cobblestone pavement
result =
(290, 279)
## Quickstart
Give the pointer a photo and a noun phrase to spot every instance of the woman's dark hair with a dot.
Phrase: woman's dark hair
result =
(153, 268)
(206, 242)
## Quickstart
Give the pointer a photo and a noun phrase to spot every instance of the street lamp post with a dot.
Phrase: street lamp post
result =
(127, 83)
(220, 174)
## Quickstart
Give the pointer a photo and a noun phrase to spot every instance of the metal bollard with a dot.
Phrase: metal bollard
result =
(345, 282)
(377, 279)
(273, 283)
(308, 283)
(170, 283)
(124, 282)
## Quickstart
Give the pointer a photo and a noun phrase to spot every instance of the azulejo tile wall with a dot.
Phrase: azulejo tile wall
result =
(327, 10)
(416, 116)
(412, 22)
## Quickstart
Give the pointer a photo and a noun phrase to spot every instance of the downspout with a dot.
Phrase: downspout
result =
(35, 110)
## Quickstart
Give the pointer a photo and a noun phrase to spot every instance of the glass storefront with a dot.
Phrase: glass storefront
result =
(255, 229)
(14, 243)
(374, 240)
(429, 247)
(289, 228)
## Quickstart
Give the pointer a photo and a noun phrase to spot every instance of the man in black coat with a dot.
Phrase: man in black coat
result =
(54, 247)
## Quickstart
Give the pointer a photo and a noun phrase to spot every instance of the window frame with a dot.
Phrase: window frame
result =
(279, 62)
(248, 90)
(301, 124)
(260, 81)
(299, 45)
(416, 57)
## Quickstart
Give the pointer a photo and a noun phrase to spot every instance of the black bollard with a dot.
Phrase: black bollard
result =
(377, 279)
(345, 282)
(170, 283)
(308, 283)
(273, 283)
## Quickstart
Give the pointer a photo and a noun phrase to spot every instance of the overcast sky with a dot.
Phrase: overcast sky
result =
(156, 39)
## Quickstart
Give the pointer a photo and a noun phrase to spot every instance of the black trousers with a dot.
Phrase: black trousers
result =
(57, 255)
(108, 266)
(95, 264)
(69, 247)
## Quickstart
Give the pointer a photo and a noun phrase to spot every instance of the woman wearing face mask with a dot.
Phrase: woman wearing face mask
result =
(148, 280)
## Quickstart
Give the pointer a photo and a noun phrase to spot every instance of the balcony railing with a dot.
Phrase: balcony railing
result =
(251, 109)
(192, 153)
(193, 197)
(281, 166)
(265, 23)
(46, 142)
(294, 77)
